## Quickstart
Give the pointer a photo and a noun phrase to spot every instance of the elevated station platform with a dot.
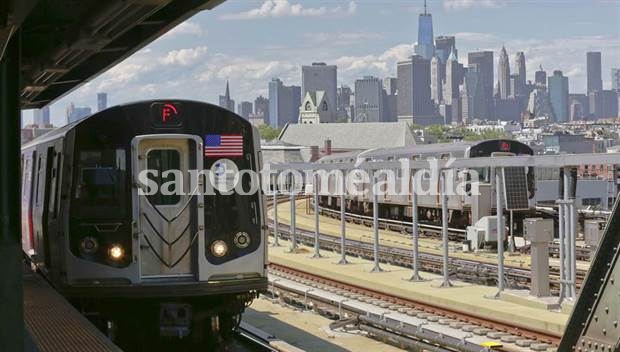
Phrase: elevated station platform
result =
(304, 220)
(465, 298)
(53, 324)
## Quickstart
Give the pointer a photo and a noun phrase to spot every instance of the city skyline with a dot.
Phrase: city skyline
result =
(195, 59)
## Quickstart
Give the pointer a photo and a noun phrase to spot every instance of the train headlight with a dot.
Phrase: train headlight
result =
(241, 239)
(116, 252)
(89, 245)
(219, 248)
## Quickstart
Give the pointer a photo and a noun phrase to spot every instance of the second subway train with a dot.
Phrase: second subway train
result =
(464, 210)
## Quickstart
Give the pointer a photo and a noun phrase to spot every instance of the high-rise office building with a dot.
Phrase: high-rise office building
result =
(75, 113)
(603, 104)
(503, 74)
(225, 101)
(454, 78)
(41, 117)
(369, 100)
(414, 90)
(521, 75)
(425, 47)
(474, 103)
(484, 61)
(343, 96)
(284, 103)
(320, 76)
(615, 79)
(594, 76)
(261, 108)
(102, 101)
(244, 109)
(436, 79)
(540, 76)
(390, 84)
(444, 45)
(578, 106)
(558, 95)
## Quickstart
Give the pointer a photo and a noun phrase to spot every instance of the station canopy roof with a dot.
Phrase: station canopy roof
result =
(65, 43)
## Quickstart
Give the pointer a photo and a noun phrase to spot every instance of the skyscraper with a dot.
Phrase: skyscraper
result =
(414, 90)
(75, 113)
(343, 95)
(284, 102)
(444, 45)
(244, 109)
(436, 87)
(521, 74)
(41, 117)
(261, 108)
(503, 74)
(540, 76)
(369, 99)
(225, 100)
(484, 61)
(474, 103)
(558, 95)
(615, 79)
(102, 101)
(454, 78)
(594, 77)
(425, 47)
(390, 84)
(320, 76)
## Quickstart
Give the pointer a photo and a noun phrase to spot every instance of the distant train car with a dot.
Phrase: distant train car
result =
(184, 264)
(464, 209)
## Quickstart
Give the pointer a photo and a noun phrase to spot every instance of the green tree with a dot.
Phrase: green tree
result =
(268, 133)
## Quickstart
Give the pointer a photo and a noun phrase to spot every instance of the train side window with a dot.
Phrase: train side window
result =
(37, 189)
(163, 160)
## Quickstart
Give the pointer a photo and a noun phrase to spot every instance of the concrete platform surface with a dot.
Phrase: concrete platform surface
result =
(54, 324)
(328, 225)
(463, 297)
(306, 330)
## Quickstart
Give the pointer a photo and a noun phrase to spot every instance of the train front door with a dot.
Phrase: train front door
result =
(166, 206)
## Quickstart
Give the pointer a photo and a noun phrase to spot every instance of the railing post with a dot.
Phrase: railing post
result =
(444, 230)
(276, 242)
(343, 229)
(317, 253)
(415, 237)
(499, 211)
(293, 229)
(375, 224)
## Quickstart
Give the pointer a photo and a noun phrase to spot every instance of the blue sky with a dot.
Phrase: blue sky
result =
(251, 41)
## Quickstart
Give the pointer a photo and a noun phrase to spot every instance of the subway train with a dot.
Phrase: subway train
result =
(138, 260)
(464, 209)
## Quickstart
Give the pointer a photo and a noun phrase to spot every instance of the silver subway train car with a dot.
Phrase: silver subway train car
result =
(180, 264)
(465, 209)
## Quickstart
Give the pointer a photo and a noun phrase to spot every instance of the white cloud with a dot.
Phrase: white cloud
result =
(186, 28)
(283, 8)
(342, 38)
(475, 36)
(465, 4)
(184, 57)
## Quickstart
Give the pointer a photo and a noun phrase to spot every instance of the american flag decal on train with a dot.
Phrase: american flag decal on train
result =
(217, 145)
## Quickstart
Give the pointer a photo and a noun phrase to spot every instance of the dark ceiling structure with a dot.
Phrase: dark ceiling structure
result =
(64, 43)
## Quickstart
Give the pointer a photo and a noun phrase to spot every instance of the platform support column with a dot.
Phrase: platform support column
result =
(343, 228)
(500, 230)
(11, 298)
(569, 237)
(415, 237)
(511, 244)
(315, 188)
(444, 230)
(276, 242)
(562, 251)
(375, 223)
(293, 213)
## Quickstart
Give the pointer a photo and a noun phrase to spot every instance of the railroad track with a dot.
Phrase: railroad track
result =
(391, 320)
(430, 230)
(462, 269)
